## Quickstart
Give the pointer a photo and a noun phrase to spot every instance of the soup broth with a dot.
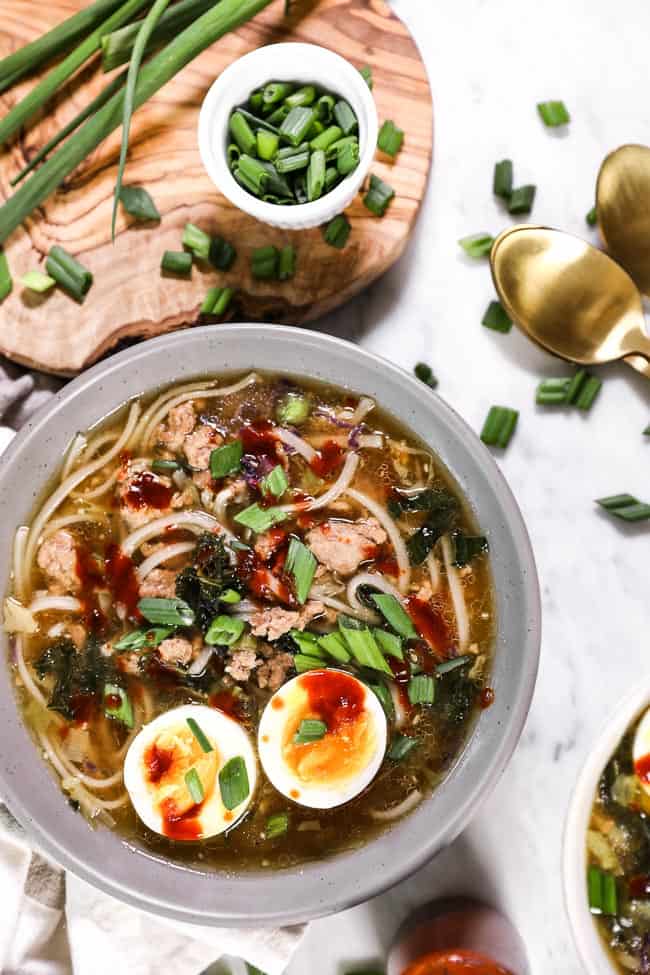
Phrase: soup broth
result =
(205, 546)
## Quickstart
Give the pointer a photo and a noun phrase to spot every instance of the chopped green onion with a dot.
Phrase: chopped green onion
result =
(610, 895)
(307, 643)
(6, 283)
(161, 466)
(216, 301)
(310, 730)
(646, 432)
(502, 183)
(325, 108)
(332, 643)
(366, 73)
(499, 426)
(144, 639)
(303, 663)
(254, 173)
(390, 138)
(176, 262)
(294, 162)
(224, 631)
(264, 263)
(138, 203)
(345, 118)
(233, 783)
(72, 276)
(297, 124)
(277, 825)
(257, 123)
(197, 241)
(583, 390)
(300, 188)
(625, 507)
(120, 712)
(337, 231)
(275, 482)
(422, 689)
(194, 786)
(230, 597)
(166, 612)
(287, 263)
(336, 147)
(385, 699)
(467, 547)
(276, 91)
(592, 217)
(37, 281)
(242, 133)
(260, 519)
(424, 373)
(521, 199)
(400, 747)
(303, 96)
(316, 175)
(477, 245)
(390, 643)
(293, 409)
(278, 116)
(200, 735)
(454, 664)
(226, 459)
(221, 254)
(395, 614)
(347, 158)
(331, 178)
(595, 889)
(326, 138)
(301, 564)
(552, 392)
(233, 152)
(497, 318)
(256, 101)
(378, 197)
(553, 113)
(362, 644)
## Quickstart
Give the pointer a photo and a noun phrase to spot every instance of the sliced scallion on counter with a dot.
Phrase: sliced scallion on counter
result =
(122, 711)
(400, 747)
(226, 459)
(646, 432)
(553, 113)
(224, 631)
(301, 564)
(200, 735)
(194, 786)
(522, 199)
(68, 273)
(580, 390)
(217, 301)
(277, 825)
(233, 783)
(422, 689)
(176, 262)
(221, 254)
(454, 664)
(37, 281)
(499, 426)
(275, 482)
(552, 392)
(196, 241)
(502, 181)
(6, 283)
(378, 197)
(626, 507)
(310, 730)
(477, 245)
(497, 318)
(390, 138)
(264, 263)
(366, 73)
(287, 263)
(592, 217)
(424, 373)
(337, 231)
(166, 612)
(138, 203)
(395, 614)
(260, 519)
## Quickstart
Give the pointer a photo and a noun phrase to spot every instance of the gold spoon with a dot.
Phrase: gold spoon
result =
(569, 297)
(623, 210)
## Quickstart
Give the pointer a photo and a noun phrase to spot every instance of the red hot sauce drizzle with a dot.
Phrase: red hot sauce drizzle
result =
(430, 625)
(184, 826)
(147, 491)
(334, 697)
(328, 460)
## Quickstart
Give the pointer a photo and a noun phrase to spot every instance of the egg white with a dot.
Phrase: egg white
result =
(229, 739)
(315, 795)
(641, 746)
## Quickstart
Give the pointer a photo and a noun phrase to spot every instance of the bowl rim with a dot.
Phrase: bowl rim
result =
(218, 101)
(590, 948)
(374, 867)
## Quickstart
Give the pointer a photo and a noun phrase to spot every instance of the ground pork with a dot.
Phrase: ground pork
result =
(241, 664)
(341, 546)
(57, 557)
(273, 672)
(269, 542)
(199, 445)
(274, 622)
(175, 650)
(136, 517)
(160, 583)
(179, 423)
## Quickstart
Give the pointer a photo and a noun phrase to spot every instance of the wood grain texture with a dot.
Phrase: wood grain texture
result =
(130, 298)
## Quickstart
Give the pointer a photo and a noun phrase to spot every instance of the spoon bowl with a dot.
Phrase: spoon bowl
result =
(623, 208)
(567, 296)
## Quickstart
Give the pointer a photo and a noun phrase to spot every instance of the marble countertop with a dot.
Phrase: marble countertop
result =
(489, 65)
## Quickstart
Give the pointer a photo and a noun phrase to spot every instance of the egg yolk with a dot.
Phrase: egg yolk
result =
(350, 741)
(167, 760)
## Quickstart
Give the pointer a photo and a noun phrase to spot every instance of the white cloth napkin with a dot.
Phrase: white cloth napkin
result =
(55, 924)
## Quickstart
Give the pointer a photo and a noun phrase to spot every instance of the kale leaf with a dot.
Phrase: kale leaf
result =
(79, 673)
(202, 583)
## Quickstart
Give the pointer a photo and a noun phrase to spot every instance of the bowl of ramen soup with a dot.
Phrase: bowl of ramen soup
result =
(271, 625)
(607, 845)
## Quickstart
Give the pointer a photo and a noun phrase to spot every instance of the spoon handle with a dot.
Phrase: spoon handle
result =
(639, 363)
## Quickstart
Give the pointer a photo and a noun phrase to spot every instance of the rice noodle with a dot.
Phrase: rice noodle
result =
(339, 487)
(194, 387)
(398, 705)
(296, 443)
(457, 594)
(364, 406)
(91, 448)
(73, 481)
(372, 441)
(162, 555)
(25, 676)
(198, 666)
(78, 445)
(194, 521)
(374, 579)
(161, 413)
(395, 812)
(434, 571)
(362, 613)
(391, 529)
(88, 780)
(66, 520)
(97, 492)
(20, 541)
(58, 604)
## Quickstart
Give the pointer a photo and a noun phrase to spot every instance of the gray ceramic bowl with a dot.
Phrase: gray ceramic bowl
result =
(293, 895)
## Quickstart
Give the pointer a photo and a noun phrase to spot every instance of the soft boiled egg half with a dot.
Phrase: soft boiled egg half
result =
(190, 773)
(641, 751)
(322, 738)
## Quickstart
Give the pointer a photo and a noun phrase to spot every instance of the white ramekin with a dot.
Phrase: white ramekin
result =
(304, 64)
(585, 934)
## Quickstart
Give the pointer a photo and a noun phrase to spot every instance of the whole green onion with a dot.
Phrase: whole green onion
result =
(117, 46)
(176, 262)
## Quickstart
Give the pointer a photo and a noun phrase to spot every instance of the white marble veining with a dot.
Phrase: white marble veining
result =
(489, 64)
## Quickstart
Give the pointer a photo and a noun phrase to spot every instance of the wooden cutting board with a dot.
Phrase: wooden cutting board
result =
(130, 298)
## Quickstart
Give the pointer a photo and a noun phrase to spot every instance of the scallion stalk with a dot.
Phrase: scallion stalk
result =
(287, 263)
(345, 118)
(502, 182)
(176, 262)
(197, 241)
(297, 124)
(117, 46)
(264, 263)
(499, 426)
(337, 231)
(390, 138)
(378, 197)
(72, 276)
